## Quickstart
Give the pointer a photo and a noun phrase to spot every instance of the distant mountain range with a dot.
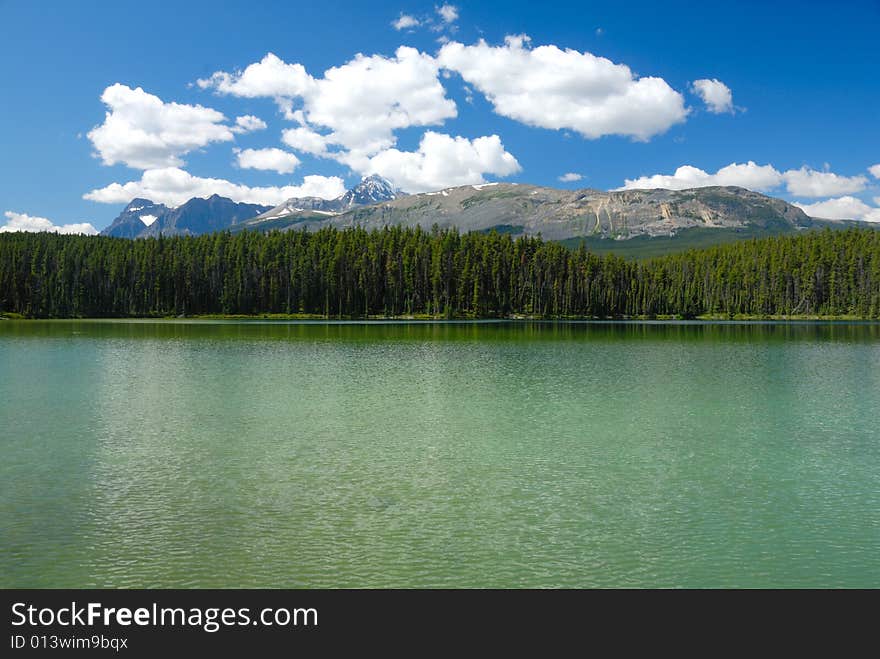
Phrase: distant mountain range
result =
(371, 190)
(517, 209)
(142, 218)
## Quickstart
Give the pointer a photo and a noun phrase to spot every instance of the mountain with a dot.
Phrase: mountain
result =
(199, 216)
(645, 222)
(562, 214)
(371, 190)
(142, 218)
(136, 219)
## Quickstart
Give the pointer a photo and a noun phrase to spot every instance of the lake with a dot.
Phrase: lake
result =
(511, 454)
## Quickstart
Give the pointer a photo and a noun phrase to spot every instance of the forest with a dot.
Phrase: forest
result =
(354, 273)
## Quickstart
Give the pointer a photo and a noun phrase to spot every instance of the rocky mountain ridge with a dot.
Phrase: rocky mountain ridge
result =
(371, 190)
(559, 214)
(142, 218)
(517, 209)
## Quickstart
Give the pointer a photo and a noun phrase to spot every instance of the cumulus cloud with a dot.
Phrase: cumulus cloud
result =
(442, 161)
(24, 222)
(142, 131)
(405, 22)
(353, 112)
(842, 208)
(570, 177)
(806, 182)
(305, 139)
(803, 182)
(355, 107)
(270, 77)
(448, 13)
(566, 89)
(365, 100)
(173, 186)
(749, 175)
(248, 124)
(875, 170)
(715, 94)
(276, 160)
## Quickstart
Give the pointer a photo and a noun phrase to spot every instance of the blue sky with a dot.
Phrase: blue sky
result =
(102, 102)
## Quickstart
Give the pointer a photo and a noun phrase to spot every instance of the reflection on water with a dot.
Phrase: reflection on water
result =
(269, 330)
(198, 453)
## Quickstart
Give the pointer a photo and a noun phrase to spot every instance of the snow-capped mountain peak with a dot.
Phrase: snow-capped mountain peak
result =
(371, 190)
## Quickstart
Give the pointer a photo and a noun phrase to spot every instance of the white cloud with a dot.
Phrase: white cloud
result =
(358, 106)
(442, 161)
(248, 124)
(806, 182)
(405, 22)
(803, 182)
(447, 12)
(142, 131)
(364, 101)
(715, 94)
(570, 177)
(270, 77)
(748, 175)
(275, 160)
(875, 170)
(842, 208)
(305, 139)
(25, 222)
(173, 187)
(566, 89)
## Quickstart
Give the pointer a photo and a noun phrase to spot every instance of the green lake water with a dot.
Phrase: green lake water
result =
(249, 454)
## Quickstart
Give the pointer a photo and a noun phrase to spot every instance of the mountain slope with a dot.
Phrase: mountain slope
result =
(135, 219)
(142, 218)
(563, 214)
(371, 190)
(198, 216)
(609, 221)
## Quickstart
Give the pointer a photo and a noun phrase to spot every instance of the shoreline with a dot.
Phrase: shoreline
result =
(713, 318)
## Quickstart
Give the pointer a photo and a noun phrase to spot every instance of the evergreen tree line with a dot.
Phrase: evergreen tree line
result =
(402, 271)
